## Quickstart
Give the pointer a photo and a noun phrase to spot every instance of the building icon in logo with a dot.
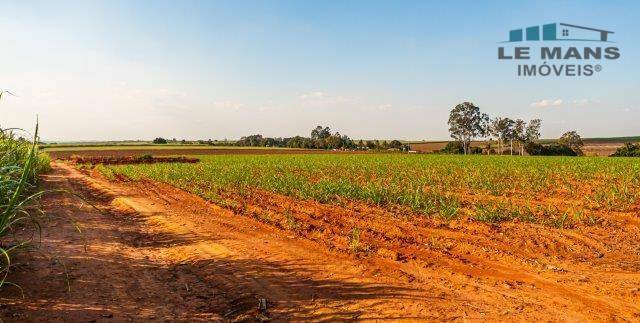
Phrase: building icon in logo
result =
(559, 31)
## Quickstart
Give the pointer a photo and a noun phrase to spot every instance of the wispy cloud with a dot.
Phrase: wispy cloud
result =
(582, 102)
(547, 103)
(385, 107)
(555, 103)
(322, 98)
(314, 95)
(228, 105)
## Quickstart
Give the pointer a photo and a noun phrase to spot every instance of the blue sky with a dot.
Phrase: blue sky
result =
(96, 70)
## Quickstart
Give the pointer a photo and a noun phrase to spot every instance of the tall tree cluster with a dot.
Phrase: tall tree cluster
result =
(467, 123)
(513, 132)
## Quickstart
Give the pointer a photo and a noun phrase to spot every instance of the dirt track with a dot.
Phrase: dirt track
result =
(143, 261)
(161, 253)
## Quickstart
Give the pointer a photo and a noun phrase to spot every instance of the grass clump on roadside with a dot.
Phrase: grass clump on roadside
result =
(20, 165)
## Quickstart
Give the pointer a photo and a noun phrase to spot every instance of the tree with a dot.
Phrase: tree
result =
(395, 144)
(509, 133)
(533, 130)
(466, 122)
(505, 131)
(347, 142)
(572, 140)
(495, 131)
(159, 140)
(334, 141)
(520, 134)
(529, 133)
(370, 144)
(320, 133)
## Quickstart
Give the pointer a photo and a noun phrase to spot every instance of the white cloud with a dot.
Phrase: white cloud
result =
(164, 98)
(550, 103)
(546, 103)
(321, 98)
(583, 102)
(228, 105)
(385, 107)
(315, 95)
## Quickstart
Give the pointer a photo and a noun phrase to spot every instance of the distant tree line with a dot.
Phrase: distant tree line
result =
(174, 141)
(321, 138)
(467, 123)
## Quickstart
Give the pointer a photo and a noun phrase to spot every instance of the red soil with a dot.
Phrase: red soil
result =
(164, 254)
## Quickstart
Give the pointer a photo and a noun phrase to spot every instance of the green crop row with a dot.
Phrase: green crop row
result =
(447, 186)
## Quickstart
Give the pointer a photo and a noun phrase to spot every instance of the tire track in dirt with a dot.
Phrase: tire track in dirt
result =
(562, 277)
(99, 273)
(150, 259)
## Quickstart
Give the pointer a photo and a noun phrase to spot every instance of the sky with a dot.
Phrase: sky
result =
(117, 70)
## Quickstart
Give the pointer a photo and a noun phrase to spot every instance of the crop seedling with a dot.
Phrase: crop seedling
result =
(433, 185)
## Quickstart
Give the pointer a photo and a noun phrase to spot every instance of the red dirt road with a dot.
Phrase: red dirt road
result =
(159, 253)
(152, 258)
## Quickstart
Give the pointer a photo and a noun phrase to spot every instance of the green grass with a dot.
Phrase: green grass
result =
(486, 188)
(20, 165)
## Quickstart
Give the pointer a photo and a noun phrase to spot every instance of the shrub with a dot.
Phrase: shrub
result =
(452, 147)
(145, 157)
(628, 150)
(536, 149)
(475, 150)
(455, 147)
(159, 140)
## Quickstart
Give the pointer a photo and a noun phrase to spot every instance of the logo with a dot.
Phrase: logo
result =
(550, 50)
(560, 31)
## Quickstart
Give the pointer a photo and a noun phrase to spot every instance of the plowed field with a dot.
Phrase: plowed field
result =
(343, 237)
